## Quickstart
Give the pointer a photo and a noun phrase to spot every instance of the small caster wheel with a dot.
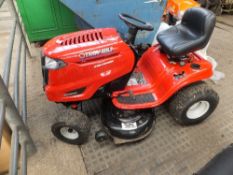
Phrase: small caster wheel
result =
(73, 127)
(100, 136)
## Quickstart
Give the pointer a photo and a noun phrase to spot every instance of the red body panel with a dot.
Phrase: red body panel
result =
(88, 64)
(159, 73)
(96, 57)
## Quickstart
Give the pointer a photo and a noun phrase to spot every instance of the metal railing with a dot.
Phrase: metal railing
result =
(13, 109)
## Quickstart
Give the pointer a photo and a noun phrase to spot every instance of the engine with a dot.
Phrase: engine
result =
(76, 65)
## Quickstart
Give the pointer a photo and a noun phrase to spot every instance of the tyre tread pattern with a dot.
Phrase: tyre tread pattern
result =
(179, 101)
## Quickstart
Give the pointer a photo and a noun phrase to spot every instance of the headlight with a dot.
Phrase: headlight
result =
(53, 64)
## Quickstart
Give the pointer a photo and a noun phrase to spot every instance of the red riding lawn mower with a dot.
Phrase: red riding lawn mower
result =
(132, 79)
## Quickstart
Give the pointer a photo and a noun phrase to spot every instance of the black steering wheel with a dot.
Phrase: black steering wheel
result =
(133, 22)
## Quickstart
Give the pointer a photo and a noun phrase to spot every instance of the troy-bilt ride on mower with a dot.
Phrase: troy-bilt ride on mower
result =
(132, 79)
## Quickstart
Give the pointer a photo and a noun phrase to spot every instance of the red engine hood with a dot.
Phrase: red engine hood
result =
(76, 46)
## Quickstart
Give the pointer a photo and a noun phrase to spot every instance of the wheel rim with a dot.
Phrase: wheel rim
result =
(198, 109)
(69, 133)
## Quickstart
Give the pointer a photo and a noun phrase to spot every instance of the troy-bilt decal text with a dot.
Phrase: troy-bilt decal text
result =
(92, 54)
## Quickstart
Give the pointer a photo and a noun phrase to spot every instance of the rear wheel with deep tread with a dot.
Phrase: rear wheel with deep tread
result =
(193, 104)
(72, 127)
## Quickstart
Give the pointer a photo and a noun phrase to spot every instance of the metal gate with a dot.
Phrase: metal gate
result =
(13, 108)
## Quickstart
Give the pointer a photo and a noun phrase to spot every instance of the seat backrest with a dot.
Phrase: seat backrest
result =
(193, 33)
(200, 21)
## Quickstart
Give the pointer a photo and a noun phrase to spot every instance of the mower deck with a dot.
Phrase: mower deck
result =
(119, 141)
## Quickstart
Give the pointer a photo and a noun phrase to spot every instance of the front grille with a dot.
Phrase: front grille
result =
(44, 71)
(82, 38)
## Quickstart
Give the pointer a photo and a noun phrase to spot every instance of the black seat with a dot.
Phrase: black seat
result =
(193, 33)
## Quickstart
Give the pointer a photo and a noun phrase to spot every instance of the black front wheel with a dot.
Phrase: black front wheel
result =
(73, 127)
(193, 104)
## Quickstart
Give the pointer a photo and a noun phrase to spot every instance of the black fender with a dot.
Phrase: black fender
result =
(221, 164)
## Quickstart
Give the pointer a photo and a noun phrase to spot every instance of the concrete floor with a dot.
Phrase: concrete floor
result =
(171, 149)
